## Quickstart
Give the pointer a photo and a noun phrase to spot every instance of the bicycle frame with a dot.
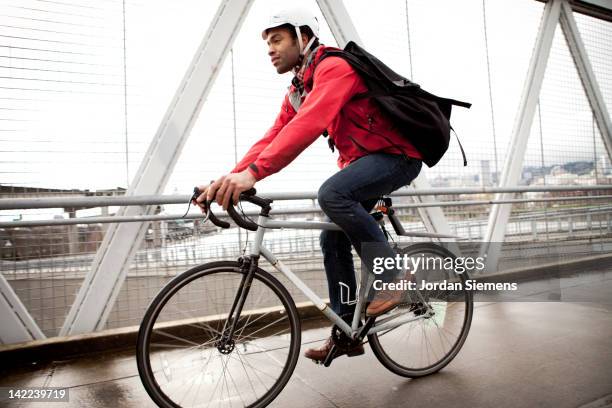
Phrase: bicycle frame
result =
(257, 248)
(277, 315)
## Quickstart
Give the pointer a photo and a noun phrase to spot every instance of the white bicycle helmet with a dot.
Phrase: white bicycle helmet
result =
(297, 17)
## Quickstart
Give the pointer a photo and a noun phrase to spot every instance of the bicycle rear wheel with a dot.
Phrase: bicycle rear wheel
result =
(178, 359)
(426, 345)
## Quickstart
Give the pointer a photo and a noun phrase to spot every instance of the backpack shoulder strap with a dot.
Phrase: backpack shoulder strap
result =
(460, 147)
(410, 87)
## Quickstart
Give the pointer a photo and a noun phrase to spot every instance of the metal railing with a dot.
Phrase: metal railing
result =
(58, 253)
(89, 202)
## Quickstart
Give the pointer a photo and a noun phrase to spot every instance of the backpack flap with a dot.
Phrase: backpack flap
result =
(421, 121)
(421, 117)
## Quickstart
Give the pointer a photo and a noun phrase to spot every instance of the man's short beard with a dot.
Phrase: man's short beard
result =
(283, 70)
(294, 67)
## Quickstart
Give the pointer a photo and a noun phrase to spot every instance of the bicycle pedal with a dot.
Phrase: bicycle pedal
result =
(331, 355)
(355, 353)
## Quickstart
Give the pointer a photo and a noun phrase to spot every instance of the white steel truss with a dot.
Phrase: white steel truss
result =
(555, 11)
(16, 324)
(585, 71)
(107, 274)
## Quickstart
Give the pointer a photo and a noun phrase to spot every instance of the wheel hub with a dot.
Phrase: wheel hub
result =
(418, 308)
(225, 346)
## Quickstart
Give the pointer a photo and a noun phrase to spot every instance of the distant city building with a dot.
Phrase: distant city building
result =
(485, 173)
(604, 168)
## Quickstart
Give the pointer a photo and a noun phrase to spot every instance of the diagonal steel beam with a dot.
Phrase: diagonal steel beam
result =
(16, 324)
(344, 30)
(500, 213)
(107, 274)
(587, 77)
(339, 22)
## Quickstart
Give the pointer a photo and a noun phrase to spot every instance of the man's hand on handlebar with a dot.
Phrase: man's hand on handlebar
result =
(226, 188)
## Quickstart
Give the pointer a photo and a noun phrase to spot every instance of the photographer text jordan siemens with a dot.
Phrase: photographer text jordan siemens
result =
(470, 284)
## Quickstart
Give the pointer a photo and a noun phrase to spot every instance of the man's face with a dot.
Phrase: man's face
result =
(283, 49)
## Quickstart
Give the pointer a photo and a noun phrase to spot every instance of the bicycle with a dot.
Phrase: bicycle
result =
(229, 332)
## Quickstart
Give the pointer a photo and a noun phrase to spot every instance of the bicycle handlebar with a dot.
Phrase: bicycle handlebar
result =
(206, 205)
(248, 196)
(264, 204)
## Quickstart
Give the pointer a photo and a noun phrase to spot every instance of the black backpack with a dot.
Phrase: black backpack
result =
(421, 117)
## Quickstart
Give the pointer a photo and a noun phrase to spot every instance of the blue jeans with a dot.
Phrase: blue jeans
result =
(346, 198)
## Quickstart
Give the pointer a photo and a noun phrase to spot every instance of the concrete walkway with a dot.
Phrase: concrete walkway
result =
(539, 354)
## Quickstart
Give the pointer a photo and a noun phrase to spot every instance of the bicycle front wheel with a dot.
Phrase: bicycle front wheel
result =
(429, 342)
(180, 360)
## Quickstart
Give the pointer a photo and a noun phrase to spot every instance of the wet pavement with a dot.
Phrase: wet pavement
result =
(544, 354)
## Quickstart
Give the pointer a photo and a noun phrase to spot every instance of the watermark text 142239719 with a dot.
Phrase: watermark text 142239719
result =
(42, 394)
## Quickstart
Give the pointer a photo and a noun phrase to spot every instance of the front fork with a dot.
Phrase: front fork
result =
(248, 266)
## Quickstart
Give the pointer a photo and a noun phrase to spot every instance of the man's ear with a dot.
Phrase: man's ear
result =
(305, 39)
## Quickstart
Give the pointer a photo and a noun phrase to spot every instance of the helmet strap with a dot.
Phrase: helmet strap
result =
(304, 50)
(299, 38)
(301, 43)
(308, 45)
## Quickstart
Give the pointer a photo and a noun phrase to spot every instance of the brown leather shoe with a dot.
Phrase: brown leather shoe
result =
(319, 354)
(384, 301)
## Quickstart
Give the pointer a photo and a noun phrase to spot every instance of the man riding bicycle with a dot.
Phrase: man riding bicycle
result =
(374, 159)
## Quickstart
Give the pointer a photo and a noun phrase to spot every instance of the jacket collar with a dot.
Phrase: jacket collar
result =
(302, 81)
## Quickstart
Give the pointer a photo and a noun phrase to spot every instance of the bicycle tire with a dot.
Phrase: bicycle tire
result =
(226, 272)
(389, 355)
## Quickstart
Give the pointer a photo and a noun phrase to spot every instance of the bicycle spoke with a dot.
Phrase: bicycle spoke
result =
(213, 394)
(263, 350)
(225, 383)
(268, 325)
(254, 370)
(251, 338)
(177, 338)
(186, 356)
(429, 346)
(247, 323)
(200, 325)
(185, 348)
(173, 346)
(440, 333)
(247, 375)
(179, 363)
(193, 381)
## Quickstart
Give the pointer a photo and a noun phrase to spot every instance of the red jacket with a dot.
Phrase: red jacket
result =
(357, 127)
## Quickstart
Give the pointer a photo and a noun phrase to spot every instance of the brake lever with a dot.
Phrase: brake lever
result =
(206, 206)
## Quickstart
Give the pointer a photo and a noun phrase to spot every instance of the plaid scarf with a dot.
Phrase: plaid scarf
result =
(298, 79)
